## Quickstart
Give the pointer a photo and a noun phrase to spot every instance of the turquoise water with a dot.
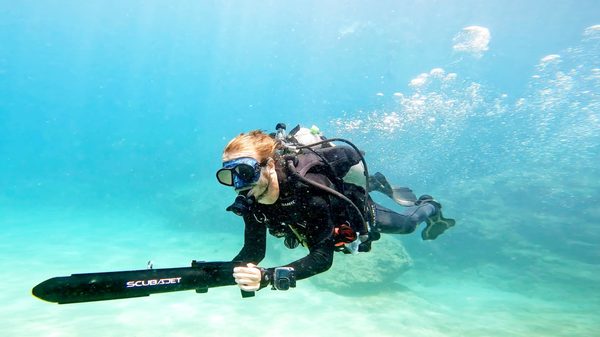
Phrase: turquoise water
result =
(113, 116)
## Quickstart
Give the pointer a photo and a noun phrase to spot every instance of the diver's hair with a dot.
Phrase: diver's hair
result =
(256, 140)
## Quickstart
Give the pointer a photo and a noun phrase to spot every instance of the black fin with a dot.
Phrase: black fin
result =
(436, 225)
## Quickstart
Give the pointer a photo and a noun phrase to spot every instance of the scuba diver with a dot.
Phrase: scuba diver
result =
(310, 191)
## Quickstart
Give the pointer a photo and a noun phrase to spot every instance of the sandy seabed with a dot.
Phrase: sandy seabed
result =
(421, 302)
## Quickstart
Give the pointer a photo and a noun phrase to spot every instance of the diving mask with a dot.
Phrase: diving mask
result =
(240, 172)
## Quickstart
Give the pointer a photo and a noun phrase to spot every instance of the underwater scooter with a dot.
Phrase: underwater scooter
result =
(90, 287)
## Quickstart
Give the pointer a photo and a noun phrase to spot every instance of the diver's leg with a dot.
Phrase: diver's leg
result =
(391, 222)
(426, 209)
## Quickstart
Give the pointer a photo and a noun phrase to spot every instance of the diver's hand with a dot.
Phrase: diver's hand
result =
(247, 278)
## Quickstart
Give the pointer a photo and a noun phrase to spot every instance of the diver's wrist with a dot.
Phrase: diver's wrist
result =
(280, 278)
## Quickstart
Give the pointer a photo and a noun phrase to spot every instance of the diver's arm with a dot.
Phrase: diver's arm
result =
(319, 240)
(318, 260)
(255, 238)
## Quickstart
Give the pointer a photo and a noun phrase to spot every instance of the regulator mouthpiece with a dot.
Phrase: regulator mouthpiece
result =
(242, 205)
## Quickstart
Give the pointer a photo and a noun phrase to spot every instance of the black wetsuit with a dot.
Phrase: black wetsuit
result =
(313, 214)
(308, 211)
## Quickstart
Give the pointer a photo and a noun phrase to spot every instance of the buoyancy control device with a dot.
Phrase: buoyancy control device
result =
(306, 150)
